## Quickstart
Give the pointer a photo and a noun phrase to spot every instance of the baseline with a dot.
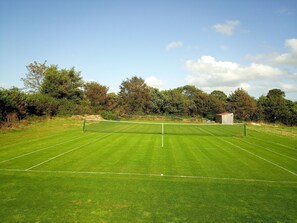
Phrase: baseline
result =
(150, 175)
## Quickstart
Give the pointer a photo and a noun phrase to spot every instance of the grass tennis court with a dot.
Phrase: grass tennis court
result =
(53, 172)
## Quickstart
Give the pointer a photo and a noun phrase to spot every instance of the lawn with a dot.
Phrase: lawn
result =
(53, 172)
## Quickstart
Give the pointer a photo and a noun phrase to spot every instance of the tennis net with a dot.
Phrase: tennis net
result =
(108, 126)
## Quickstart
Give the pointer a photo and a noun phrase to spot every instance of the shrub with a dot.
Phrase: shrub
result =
(12, 101)
(109, 115)
(68, 108)
(40, 104)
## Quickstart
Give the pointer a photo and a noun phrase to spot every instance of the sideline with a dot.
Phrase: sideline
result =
(38, 150)
(260, 157)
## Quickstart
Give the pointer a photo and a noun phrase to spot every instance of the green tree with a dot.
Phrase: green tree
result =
(207, 105)
(220, 95)
(200, 103)
(134, 96)
(191, 98)
(241, 104)
(34, 78)
(191, 101)
(276, 109)
(259, 114)
(292, 119)
(157, 101)
(216, 106)
(63, 84)
(112, 101)
(176, 102)
(96, 93)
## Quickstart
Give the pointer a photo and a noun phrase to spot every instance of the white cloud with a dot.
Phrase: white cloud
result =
(245, 86)
(174, 45)
(289, 58)
(226, 28)
(207, 71)
(286, 58)
(208, 74)
(288, 87)
(292, 45)
(152, 81)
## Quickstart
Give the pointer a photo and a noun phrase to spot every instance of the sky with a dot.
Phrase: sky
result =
(212, 44)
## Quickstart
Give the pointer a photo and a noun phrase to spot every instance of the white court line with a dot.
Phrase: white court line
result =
(35, 151)
(68, 151)
(260, 157)
(152, 175)
(270, 150)
(27, 141)
(286, 146)
(289, 147)
(76, 148)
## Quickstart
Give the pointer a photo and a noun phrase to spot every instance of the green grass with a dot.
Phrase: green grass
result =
(52, 172)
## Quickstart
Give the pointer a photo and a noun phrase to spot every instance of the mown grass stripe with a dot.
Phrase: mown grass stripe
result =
(260, 157)
(68, 151)
(277, 140)
(38, 150)
(36, 139)
(289, 157)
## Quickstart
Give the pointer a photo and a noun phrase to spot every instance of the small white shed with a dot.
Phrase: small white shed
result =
(224, 118)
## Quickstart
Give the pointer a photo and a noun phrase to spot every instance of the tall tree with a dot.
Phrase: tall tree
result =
(260, 110)
(157, 101)
(112, 101)
(241, 104)
(63, 83)
(96, 93)
(292, 119)
(134, 96)
(276, 109)
(34, 77)
(176, 102)
(220, 95)
(215, 106)
(191, 97)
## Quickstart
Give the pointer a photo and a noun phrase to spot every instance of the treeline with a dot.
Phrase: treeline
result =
(52, 91)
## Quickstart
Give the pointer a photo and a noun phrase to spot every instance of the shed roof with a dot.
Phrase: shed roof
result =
(225, 113)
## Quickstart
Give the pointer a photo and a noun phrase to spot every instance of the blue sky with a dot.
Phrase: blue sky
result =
(211, 44)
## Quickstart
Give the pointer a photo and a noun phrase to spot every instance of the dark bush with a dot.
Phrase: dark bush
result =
(67, 108)
(109, 115)
(40, 104)
(12, 101)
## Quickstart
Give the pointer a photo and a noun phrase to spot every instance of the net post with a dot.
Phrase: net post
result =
(162, 135)
(84, 125)
(244, 129)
